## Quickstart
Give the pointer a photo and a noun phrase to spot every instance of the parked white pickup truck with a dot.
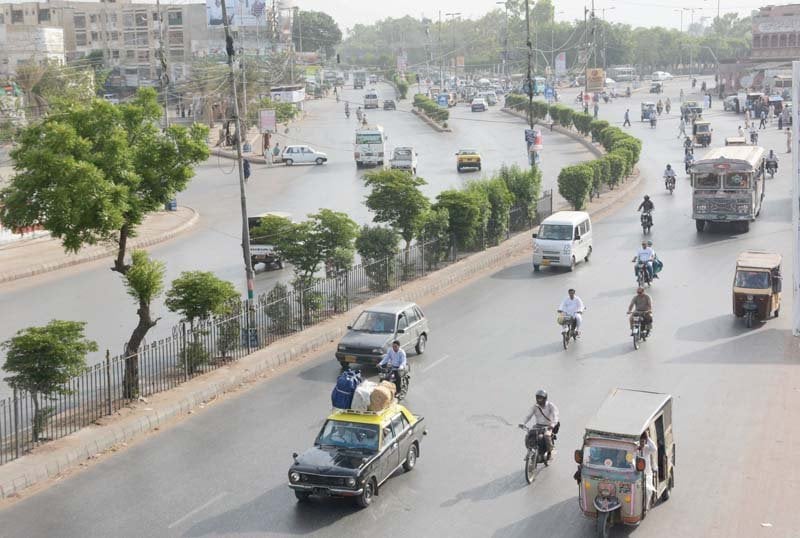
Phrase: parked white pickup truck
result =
(404, 158)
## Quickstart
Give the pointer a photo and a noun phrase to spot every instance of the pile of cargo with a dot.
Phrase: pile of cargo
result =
(353, 393)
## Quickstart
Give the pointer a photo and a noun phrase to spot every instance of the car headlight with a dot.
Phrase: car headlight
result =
(377, 350)
(567, 249)
(350, 482)
(294, 477)
(341, 347)
(749, 297)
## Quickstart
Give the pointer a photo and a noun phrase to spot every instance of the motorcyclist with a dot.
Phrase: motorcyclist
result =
(573, 306)
(669, 175)
(364, 120)
(628, 91)
(688, 160)
(645, 256)
(544, 413)
(688, 145)
(641, 304)
(657, 264)
(395, 359)
(646, 204)
(772, 160)
(753, 135)
(359, 113)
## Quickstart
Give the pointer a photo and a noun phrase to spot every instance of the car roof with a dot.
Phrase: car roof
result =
(468, 151)
(371, 417)
(391, 307)
(566, 217)
(628, 412)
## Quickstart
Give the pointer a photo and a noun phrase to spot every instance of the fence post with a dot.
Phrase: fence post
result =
(422, 248)
(347, 290)
(16, 424)
(185, 353)
(108, 382)
(452, 248)
(302, 309)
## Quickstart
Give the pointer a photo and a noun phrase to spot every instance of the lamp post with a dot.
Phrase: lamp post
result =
(603, 17)
(505, 43)
(453, 27)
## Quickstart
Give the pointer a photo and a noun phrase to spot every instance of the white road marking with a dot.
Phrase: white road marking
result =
(198, 509)
(435, 363)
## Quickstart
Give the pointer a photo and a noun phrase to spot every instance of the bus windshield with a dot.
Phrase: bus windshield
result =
(737, 181)
(706, 181)
(369, 138)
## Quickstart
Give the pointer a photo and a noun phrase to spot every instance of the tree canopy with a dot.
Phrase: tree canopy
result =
(315, 30)
(397, 201)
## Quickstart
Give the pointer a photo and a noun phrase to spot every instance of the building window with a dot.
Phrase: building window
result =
(115, 54)
(92, 18)
(176, 54)
(113, 18)
(130, 39)
(80, 39)
(130, 54)
(783, 41)
(756, 41)
(141, 39)
(141, 19)
(79, 21)
(773, 42)
(94, 36)
(176, 38)
(792, 40)
(114, 36)
(44, 15)
(2, 19)
(127, 19)
(17, 16)
(175, 18)
(143, 55)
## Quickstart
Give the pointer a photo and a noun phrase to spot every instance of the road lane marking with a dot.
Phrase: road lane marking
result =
(435, 363)
(198, 509)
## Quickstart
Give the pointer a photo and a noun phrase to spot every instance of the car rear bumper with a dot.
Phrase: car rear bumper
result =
(358, 358)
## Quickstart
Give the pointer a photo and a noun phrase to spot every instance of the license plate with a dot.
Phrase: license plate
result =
(321, 492)
(545, 262)
(349, 358)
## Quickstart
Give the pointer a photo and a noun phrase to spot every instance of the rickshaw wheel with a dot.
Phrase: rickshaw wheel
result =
(603, 525)
(748, 319)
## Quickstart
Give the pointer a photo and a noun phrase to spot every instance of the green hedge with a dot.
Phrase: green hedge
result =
(574, 183)
(431, 108)
(596, 127)
(582, 122)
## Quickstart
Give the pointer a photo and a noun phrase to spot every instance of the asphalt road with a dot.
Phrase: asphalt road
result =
(92, 293)
(223, 472)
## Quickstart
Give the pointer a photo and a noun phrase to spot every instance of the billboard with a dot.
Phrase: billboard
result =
(595, 80)
(267, 121)
(240, 12)
(561, 64)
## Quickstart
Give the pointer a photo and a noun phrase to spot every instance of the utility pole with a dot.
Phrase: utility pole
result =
(795, 199)
(453, 28)
(530, 53)
(505, 43)
(441, 55)
(248, 265)
(163, 59)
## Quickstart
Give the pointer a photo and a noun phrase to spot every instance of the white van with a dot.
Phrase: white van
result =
(488, 96)
(564, 238)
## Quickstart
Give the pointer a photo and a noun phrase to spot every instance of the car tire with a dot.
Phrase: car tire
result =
(421, 343)
(458, 168)
(588, 255)
(365, 499)
(700, 224)
(411, 458)
(288, 162)
(320, 160)
(572, 264)
(302, 496)
(479, 168)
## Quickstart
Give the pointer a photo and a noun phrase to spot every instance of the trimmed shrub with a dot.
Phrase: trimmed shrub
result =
(464, 212)
(431, 108)
(596, 127)
(617, 165)
(627, 155)
(582, 122)
(574, 183)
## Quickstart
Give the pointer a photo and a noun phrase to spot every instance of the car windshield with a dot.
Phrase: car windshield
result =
(404, 153)
(369, 138)
(608, 457)
(737, 181)
(556, 232)
(467, 152)
(344, 434)
(758, 280)
(375, 322)
(706, 181)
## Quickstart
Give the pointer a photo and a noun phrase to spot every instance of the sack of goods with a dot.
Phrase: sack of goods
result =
(391, 386)
(380, 398)
(342, 395)
(560, 318)
(361, 398)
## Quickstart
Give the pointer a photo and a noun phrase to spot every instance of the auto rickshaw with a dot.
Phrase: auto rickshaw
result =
(648, 107)
(656, 87)
(757, 286)
(701, 133)
(616, 483)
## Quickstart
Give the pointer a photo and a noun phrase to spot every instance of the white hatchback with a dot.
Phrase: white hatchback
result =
(302, 154)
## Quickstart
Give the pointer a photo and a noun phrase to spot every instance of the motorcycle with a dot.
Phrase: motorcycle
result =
(537, 452)
(642, 275)
(646, 220)
(753, 138)
(628, 91)
(652, 121)
(391, 374)
(772, 167)
(669, 181)
(569, 329)
(641, 329)
(347, 114)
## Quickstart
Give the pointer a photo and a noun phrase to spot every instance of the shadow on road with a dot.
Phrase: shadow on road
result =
(748, 349)
(711, 329)
(491, 490)
(327, 372)
(524, 271)
(563, 519)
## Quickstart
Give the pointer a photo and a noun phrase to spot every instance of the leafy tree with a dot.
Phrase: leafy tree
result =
(574, 183)
(284, 112)
(434, 235)
(315, 30)
(41, 360)
(279, 309)
(336, 234)
(524, 185)
(198, 295)
(499, 200)
(464, 214)
(92, 172)
(397, 201)
(377, 247)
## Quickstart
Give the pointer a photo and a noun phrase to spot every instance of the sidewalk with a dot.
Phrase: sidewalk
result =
(28, 257)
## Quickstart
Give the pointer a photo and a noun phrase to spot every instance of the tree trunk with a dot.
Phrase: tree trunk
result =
(37, 423)
(131, 378)
(119, 264)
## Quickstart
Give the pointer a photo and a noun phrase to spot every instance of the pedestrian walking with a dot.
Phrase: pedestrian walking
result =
(596, 109)
(276, 152)
(788, 140)
(780, 122)
(746, 118)
(771, 113)
(681, 97)
(627, 118)
(709, 99)
(763, 123)
(682, 129)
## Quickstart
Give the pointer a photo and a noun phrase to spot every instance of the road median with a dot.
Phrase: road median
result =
(60, 456)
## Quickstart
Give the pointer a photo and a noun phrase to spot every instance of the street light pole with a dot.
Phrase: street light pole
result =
(530, 52)
(505, 44)
(603, 17)
(453, 27)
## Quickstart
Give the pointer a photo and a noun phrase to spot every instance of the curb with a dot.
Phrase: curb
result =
(137, 242)
(85, 444)
(438, 128)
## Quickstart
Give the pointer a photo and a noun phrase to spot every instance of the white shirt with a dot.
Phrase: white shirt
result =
(648, 451)
(571, 306)
(645, 254)
(544, 416)
(669, 173)
(395, 359)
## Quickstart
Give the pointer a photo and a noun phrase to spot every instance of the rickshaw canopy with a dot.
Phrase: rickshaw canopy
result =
(759, 259)
(648, 104)
(628, 413)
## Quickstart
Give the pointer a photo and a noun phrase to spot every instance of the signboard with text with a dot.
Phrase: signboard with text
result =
(561, 64)
(267, 121)
(595, 80)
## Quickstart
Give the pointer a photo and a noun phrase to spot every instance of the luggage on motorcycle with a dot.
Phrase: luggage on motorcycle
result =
(391, 386)
(380, 398)
(361, 397)
(342, 395)
(658, 265)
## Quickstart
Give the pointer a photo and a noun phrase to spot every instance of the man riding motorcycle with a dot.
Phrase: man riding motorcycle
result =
(641, 304)
(648, 207)
(772, 162)
(669, 176)
(688, 160)
(395, 359)
(645, 256)
(544, 413)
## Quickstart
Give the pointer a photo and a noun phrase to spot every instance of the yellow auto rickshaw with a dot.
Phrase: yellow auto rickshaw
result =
(757, 286)
(701, 133)
(626, 463)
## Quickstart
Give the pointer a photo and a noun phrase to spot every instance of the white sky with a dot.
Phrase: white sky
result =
(634, 12)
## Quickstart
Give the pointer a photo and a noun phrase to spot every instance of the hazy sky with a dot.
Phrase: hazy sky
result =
(634, 12)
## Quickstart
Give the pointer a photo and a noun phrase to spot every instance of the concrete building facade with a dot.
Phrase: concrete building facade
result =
(776, 33)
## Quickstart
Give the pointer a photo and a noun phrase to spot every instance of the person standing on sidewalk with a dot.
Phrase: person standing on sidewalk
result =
(682, 129)
(627, 118)
(763, 123)
(788, 140)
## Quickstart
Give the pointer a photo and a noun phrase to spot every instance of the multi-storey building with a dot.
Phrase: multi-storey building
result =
(776, 33)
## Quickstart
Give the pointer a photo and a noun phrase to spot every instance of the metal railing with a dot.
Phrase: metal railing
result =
(27, 420)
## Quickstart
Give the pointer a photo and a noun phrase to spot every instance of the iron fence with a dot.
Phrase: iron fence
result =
(27, 419)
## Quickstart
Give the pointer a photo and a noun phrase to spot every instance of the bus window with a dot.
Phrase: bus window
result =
(737, 181)
(706, 181)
